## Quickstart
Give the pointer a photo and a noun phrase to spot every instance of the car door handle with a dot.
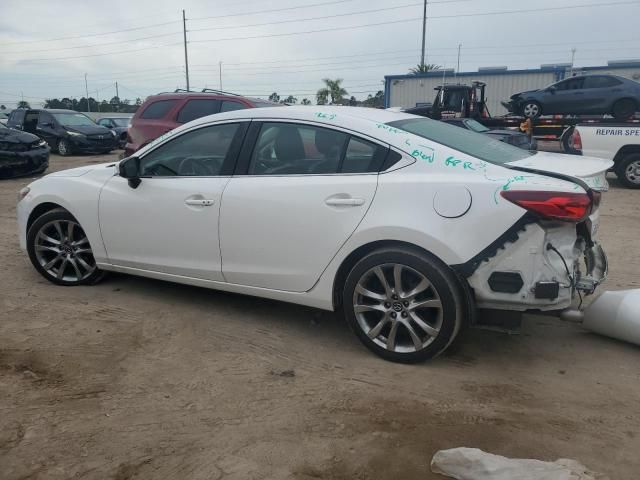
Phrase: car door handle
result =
(347, 202)
(199, 202)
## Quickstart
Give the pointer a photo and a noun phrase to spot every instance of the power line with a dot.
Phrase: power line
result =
(297, 20)
(94, 45)
(120, 52)
(91, 34)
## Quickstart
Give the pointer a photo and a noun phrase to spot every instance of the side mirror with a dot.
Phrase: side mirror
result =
(551, 89)
(130, 169)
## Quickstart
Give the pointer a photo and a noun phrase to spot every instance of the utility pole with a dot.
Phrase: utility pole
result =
(97, 101)
(424, 31)
(86, 89)
(220, 64)
(458, 68)
(117, 94)
(186, 58)
(573, 57)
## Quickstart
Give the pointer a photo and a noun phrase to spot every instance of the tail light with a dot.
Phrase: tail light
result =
(575, 142)
(568, 207)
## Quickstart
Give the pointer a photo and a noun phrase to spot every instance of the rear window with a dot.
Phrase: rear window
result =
(158, 109)
(198, 108)
(228, 106)
(465, 141)
(601, 82)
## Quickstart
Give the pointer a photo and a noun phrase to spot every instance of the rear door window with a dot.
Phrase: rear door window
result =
(229, 106)
(600, 82)
(44, 117)
(197, 108)
(158, 109)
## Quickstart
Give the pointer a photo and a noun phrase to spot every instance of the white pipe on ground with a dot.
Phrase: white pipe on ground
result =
(615, 314)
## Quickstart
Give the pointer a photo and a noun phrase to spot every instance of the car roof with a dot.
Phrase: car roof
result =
(367, 121)
(212, 95)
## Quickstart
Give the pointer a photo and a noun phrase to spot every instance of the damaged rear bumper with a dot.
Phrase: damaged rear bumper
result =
(536, 265)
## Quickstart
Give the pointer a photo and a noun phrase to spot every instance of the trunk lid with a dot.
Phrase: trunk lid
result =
(590, 170)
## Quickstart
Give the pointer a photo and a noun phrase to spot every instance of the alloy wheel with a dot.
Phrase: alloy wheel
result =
(398, 308)
(63, 250)
(531, 110)
(632, 172)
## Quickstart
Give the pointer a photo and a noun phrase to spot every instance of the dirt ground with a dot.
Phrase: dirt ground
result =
(136, 378)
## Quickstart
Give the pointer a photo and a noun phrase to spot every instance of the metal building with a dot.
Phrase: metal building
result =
(412, 90)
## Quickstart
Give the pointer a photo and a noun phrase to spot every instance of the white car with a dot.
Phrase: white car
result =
(405, 224)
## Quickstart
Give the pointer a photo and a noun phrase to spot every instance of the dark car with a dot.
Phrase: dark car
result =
(21, 153)
(119, 125)
(580, 95)
(512, 137)
(166, 111)
(66, 131)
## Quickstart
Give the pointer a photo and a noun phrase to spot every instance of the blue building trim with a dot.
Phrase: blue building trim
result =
(560, 73)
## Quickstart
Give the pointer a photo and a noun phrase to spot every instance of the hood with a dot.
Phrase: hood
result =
(88, 129)
(9, 135)
(591, 170)
(119, 130)
(519, 94)
(79, 171)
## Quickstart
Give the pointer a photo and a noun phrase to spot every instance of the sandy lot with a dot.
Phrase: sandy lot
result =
(136, 378)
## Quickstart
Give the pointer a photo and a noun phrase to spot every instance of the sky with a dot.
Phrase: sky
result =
(289, 46)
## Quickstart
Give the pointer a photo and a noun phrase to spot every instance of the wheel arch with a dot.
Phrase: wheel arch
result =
(41, 209)
(632, 99)
(624, 151)
(363, 250)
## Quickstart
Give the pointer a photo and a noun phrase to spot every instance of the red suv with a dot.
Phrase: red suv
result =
(166, 111)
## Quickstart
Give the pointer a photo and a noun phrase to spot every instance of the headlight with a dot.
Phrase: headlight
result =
(75, 134)
(23, 193)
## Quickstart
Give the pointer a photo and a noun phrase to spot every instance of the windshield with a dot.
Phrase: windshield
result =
(475, 126)
(121, 122)
(465, 141)
(73, 119)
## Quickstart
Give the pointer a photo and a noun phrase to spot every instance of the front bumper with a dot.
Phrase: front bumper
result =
(89, 144)
(17, 164)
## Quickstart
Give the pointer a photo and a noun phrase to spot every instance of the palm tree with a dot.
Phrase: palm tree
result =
(333, 89)
(424, 68)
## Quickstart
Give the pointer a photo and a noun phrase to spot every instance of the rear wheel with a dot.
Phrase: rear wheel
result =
(624, 109)
(60, 250)
(403, 305)
(531, 109)
(628, 170)
(64, 148)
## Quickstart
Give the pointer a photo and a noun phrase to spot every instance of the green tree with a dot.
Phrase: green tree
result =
(333, 89)
(274, 97)
(23, 104)
(352, 101)
(2, 107)
(306, 101)
(424, 68)
(375, 101)
(138, 101)
(290, 99)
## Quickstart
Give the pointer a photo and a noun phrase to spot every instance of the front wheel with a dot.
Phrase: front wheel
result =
(628, 170)
(531, 110)
(64, 148)
(60, 250)
(403, 305)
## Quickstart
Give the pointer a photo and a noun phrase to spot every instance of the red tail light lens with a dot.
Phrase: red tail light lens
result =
(576, 141)
(568, 207)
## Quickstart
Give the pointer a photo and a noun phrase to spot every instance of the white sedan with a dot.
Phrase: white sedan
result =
(405, 224)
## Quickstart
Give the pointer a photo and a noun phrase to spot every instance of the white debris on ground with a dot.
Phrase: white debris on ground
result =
(474, 464)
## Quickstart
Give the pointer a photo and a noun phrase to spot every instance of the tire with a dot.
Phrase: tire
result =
(531, 109)
(51, 249)
(628, 170)
(63, 147)
(624, 109)
(426, 316)
(566, 142)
